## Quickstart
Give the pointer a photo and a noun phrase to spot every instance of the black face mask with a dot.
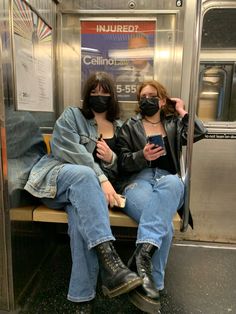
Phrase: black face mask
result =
(149, 106)
(99, 103)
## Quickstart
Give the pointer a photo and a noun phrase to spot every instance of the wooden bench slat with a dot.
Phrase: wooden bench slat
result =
(120, 219)
(45, 214)
(24, 213)
(117, 218)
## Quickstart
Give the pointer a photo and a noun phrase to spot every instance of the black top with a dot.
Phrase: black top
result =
(110, 142)
(164, 162)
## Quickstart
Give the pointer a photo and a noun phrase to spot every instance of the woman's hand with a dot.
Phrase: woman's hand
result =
(179, 106)
(104, 152)
(152, 152)
(111, 196)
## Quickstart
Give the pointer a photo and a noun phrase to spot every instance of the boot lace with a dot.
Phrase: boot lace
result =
(145, 264)
(112, 260)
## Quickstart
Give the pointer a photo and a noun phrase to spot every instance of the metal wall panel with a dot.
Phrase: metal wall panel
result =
(118, 5)
(4, 291)
(17, 238)
(170, 21)
(6, 279)
(213, 196)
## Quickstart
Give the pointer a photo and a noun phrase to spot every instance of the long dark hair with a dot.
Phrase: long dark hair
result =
(168, 108)
(106, 82)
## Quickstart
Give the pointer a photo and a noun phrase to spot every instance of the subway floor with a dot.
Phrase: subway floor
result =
(200, 278)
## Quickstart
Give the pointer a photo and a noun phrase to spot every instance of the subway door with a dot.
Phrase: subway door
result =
(213, 185)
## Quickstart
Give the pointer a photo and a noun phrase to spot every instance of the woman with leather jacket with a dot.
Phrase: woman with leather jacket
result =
(154, 189)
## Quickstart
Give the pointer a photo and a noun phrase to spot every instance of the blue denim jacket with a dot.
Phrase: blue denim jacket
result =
(73, 141)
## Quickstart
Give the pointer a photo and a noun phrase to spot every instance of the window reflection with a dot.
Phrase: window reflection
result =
(217, 76)
(212, 94)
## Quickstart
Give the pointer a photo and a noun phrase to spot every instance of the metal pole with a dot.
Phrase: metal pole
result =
(193, 97)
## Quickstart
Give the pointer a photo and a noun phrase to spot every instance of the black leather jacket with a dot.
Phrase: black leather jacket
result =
(132, 139)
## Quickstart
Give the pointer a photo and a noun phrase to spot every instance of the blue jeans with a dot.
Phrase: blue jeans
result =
(80, 194)
(153, 197)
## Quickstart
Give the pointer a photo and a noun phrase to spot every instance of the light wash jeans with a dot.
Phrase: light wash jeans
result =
(80, 194)
(153, 197)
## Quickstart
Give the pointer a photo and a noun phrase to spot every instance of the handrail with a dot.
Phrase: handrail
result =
(193, 96)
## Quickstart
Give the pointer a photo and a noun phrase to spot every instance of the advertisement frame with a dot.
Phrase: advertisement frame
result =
(106, 44)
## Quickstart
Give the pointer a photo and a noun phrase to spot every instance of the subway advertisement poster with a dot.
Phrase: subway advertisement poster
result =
(124, 49)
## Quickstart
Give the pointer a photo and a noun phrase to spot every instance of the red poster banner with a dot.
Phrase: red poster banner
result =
(117, 27)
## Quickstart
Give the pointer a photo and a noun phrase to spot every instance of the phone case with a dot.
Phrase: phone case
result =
(156, 139)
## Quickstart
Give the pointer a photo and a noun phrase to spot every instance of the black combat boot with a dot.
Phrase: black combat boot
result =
(141, 262)
(146, 297)
(116, 277)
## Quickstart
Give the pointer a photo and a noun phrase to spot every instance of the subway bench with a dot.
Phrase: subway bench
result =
(41, 213)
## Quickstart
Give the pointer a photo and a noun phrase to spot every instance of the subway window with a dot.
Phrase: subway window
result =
(217, 73)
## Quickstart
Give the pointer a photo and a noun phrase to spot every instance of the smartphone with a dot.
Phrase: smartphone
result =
(157, 139)
(122, 201)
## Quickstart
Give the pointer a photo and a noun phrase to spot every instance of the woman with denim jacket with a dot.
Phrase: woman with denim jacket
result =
(76, 177)
(153, 187)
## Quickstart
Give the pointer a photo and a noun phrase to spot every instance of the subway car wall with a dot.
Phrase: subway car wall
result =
(27, 100)
(55, 65)
(47, 55)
